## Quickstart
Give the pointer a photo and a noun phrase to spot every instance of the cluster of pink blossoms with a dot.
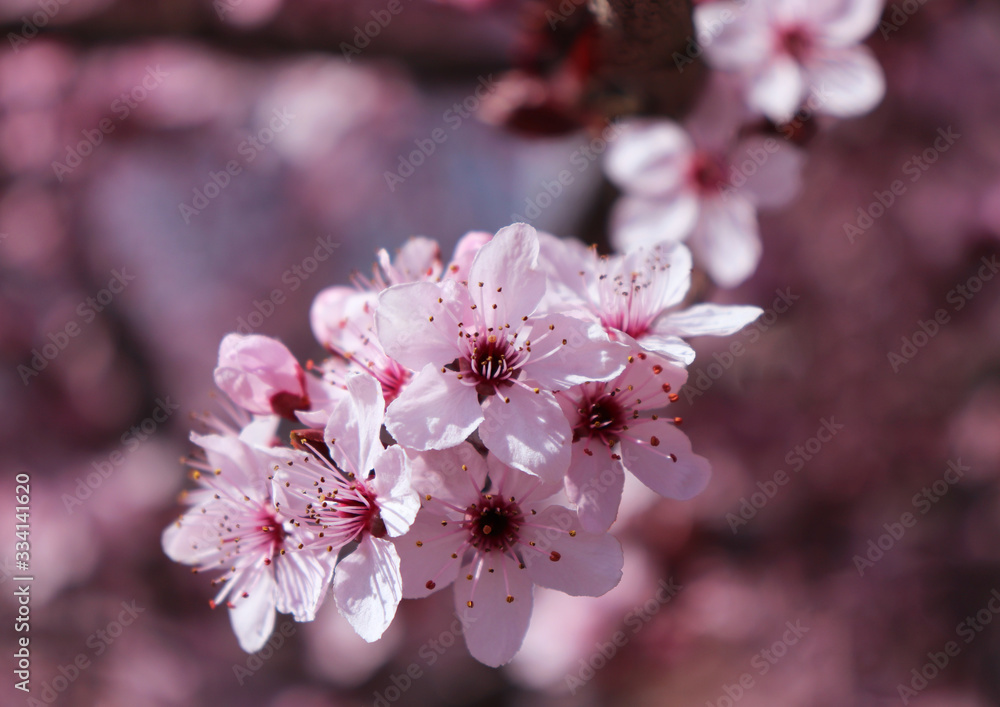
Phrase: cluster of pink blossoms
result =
(472, 426)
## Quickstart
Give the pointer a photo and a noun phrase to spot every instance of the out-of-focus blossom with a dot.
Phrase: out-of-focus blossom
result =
(700, 185)
(789, 49)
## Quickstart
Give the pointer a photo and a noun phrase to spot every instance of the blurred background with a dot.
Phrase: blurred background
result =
(167, 167)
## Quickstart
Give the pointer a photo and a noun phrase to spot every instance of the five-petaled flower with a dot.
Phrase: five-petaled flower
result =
(495, 545)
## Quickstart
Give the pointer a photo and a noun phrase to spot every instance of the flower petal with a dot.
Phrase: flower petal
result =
(846, 22)
(594, 485)
(435, 411)
(778, 88)
(355, 424)
(847, 81)
(648, 451)
(302, 578)
(727, 240)
(252, 616)
(566, 351)
(582, 564)
(650, 159)
(398, 502)
(707, 320)
(504, 281)
(529, 432)
(431, 560)
(640, 221)
(494, 628)
(414, 327)
(367, 587)
(456, 475)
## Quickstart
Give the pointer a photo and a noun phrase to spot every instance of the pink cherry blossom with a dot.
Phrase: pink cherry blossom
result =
(261, 375)
(343, 318)
(360, 494)
(789, 49)
(482, 356)
(638, 296)
(235, 527)
(616, 429)
(496, 545)
(702, 186)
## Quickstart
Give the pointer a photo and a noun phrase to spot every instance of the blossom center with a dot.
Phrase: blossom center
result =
(602, 418)
(493, 523)
(491, 361)
(795, 41)
(707, 173)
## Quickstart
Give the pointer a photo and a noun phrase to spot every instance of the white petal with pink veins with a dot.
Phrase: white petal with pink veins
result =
(848, 81)
(367, 587)
(252, 369)
(440, 473)
(431, 560)
(594, 485)
(651, 158)
(398, 502)
(727, 239)
(778, 88)
(670, 346)
(355, 424)
(494, 628)
(435, 411)
(707, 320)
(302, 579)
(641, 221)
(529, 433)
(646, 450)
(253, 616)
(583, 564)
(340, 316)
(414, 328)
(504, 281)
(586, 355)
